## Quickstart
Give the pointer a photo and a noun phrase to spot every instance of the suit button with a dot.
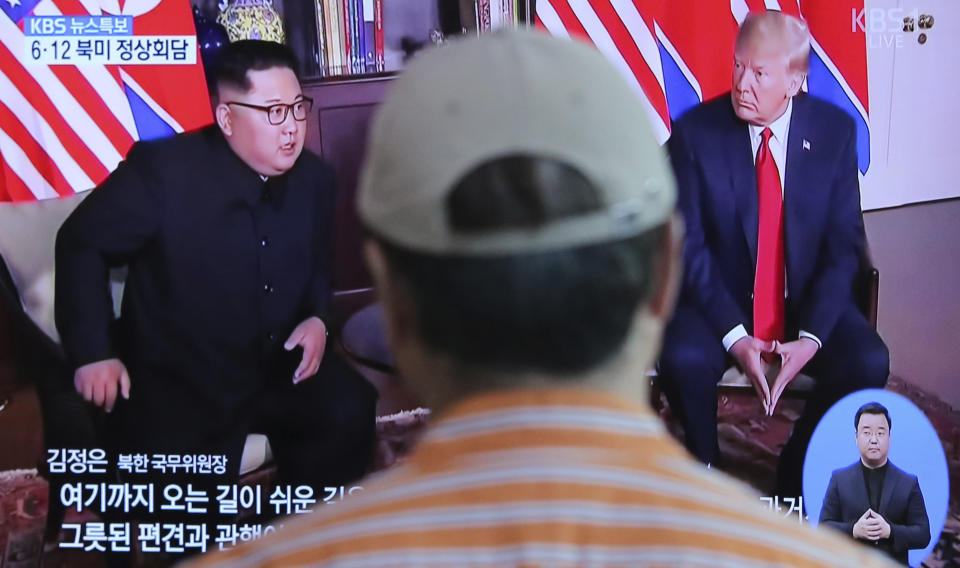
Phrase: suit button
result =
(264, 242)
(272, 336)
(267, 288)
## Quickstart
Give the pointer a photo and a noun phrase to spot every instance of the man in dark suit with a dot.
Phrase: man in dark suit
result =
(227, 233)
(769, 266)
(873, 500)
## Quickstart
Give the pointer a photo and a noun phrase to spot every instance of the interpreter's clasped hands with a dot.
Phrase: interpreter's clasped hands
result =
(871, 526)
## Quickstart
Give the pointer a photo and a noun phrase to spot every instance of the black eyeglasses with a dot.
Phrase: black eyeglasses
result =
(277, 113)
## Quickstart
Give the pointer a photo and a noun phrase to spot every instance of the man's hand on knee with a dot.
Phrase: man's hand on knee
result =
(747, 351)
(101, 381)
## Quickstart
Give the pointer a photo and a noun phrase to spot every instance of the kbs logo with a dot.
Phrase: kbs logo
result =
(889, 27)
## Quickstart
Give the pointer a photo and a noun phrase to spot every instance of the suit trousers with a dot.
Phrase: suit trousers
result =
(693, 361)
(322, 433)
(321, 430)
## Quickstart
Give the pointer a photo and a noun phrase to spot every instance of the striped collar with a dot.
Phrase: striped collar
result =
(542, 409)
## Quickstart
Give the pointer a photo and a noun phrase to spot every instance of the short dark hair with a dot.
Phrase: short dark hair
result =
(237, 58)
(562, 311)
(872, 408)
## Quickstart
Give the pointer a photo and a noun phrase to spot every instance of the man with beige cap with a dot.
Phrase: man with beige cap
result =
(525, 245)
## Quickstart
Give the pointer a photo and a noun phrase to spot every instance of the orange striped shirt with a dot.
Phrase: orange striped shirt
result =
(560, 477)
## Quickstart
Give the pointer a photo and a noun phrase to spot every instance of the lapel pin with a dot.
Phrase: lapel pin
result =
(806, 144)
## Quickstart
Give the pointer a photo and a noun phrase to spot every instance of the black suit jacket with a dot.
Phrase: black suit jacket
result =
(901, 505)
(222, 267)
(823, 226)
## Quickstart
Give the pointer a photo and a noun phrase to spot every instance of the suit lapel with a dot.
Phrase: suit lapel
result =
(744, 182)
(793, 203)
(890, 481)
(800, 201)
(857, 484)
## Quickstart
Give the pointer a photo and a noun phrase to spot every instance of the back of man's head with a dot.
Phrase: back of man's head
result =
(237, 58)
(521, 203)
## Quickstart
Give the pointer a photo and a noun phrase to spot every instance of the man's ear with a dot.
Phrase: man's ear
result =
(668, 270)
(397, 309)
(224, 120)
(796, 81)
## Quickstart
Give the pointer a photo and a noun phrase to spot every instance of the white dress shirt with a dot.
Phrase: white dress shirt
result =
(780, 130)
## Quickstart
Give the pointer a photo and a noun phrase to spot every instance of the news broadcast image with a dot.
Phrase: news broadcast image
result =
(206, 357)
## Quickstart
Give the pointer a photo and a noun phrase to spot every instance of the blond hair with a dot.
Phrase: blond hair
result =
(773, 25)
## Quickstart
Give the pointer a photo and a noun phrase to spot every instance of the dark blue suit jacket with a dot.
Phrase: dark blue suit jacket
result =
(823, 227)
(901, 505)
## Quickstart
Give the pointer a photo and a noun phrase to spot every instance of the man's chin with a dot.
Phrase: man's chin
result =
(745, 113)
(874, 461)
(283, 166)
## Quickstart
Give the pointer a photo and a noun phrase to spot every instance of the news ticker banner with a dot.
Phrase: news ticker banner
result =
(140, 497)
(185, 500)
(101, 40)
(141, 500)
(154, 537)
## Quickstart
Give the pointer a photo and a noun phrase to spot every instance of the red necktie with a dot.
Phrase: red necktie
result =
(768, 285)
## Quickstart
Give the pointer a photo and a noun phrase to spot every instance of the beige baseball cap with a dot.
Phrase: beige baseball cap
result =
(517, 92)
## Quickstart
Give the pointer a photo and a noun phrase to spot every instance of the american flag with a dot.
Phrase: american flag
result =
(678, 53)
(64, 128)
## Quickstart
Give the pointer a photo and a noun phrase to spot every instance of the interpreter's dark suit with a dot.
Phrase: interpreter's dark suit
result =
(901, 505)
(222, 267)
(823, 244)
